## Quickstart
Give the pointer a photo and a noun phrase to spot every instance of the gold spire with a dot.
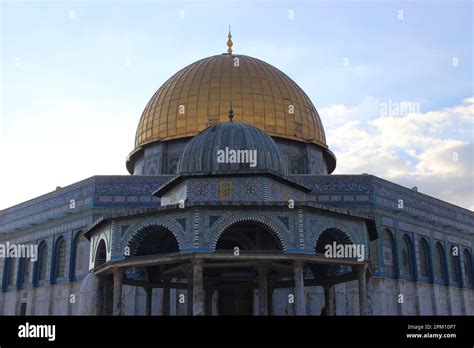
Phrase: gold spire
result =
(229, 42)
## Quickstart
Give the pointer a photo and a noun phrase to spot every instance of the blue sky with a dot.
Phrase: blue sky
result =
(77, 75)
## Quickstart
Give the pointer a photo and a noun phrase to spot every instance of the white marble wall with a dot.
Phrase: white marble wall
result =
(418, 299)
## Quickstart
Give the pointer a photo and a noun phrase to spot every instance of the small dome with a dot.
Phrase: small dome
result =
(231, 148)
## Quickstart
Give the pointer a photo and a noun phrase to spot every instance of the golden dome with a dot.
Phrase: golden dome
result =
(199, 95)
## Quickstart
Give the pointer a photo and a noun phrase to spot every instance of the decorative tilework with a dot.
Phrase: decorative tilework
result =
(171, 224)
(46, 217)
(182, 222)
(123, 229)
(212, 220)
(196, 228)
(268, 219)
(356, 230)
(225, 190)
(285, 220)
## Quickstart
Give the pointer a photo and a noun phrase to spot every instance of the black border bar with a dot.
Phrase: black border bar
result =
(142, 330)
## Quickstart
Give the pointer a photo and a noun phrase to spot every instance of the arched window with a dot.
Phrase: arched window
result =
(26, 271)
(100, 254)
(297, 165)
(172, 165)
(439, 263)
(423, 251)
(81, 249)
(466, 258)
(407, 261)
(42, 262)
(454, 263)
(11, 271)
(388, 253)
(60, 258)
(328, 237)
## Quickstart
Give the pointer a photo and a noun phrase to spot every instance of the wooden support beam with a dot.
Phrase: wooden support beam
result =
(178, 269)
(342, 278)
(243, 285)
(145, 284)
(229, 264)
(233, 279)
(160, 259)
(281, 267)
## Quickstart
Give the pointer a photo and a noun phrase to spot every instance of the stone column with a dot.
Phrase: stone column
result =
(98, 293)
(198, 288)
(361, 270)
(270, 297)
(300, 305)
(118, 277)
(149, 298)
(189, 296)
(165, 303)
(329, 299)
(208, 301)
(262, 271)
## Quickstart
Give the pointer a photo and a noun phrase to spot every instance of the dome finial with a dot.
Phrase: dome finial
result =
(231, 112)
(229, 42)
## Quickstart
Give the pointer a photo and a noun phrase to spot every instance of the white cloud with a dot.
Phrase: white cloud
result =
(432, 150)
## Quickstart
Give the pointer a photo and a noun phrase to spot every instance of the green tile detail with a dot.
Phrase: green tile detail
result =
(182, 222)
(123, 230)
(213, 219)
(285, 220)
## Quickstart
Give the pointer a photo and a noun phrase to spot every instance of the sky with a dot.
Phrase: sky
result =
(392, 82)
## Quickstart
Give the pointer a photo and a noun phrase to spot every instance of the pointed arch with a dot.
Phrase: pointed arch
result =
(60, 258)
(249, 219)
(389, 253)
(41, 271)
(439, 263)
(249, 234)
(423, 255)
(407, 264)
(467, 263)
(100, 256)
(328, 237)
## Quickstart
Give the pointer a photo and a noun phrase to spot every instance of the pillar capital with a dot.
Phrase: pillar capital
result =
(197, 262)
(361, 268)
(263, 267)
(118, 272)
(298, 264)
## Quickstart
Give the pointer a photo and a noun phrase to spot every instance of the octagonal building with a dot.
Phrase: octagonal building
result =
(230, 208)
